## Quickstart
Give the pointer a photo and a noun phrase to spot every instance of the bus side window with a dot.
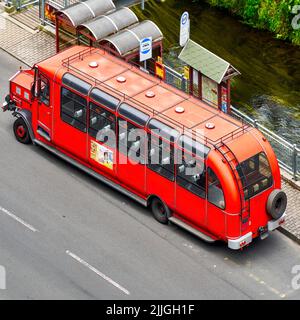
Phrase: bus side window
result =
(44, 90)
(132, 141)
(215, 191)
(191, 173)
(161, 156)
(102, 125)
(73, 109)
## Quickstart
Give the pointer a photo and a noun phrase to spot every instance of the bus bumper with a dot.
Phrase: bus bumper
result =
(274, 224)
(243, 241)
(8, 104)
(239, 243)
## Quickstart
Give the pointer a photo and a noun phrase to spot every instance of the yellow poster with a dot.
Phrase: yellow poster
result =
(102, 155)
(186, 72)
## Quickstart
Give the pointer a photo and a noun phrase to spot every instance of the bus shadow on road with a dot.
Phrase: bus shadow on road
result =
(258, 247)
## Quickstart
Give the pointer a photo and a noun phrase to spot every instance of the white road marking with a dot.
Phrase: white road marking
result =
(99, 273)
(27, 225)
(275, 291)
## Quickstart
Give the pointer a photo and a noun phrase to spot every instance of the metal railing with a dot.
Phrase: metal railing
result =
(288, 154)
(21, 4)
(60, 4)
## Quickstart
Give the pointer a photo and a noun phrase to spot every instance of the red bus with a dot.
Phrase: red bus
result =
(233, 190)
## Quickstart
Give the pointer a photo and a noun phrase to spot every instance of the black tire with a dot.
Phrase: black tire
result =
(276, 203)
(160, 211)
(21, 131)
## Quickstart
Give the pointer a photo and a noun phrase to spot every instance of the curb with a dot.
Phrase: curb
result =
(23, 62)
(289, 235)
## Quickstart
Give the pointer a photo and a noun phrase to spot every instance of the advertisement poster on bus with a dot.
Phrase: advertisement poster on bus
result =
(102, 155)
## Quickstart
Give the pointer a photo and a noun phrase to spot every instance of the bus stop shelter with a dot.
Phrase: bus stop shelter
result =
(100, 24)
(209, 75)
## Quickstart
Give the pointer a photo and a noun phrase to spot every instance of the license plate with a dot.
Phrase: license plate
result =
(263, 233)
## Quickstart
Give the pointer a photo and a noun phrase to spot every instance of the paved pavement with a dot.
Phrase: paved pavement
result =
(26, 46)
(65, 235)
(292, 226)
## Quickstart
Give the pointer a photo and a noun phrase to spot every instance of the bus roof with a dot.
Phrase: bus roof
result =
(145, 92)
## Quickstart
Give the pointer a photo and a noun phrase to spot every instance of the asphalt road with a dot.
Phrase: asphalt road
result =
(64, 235)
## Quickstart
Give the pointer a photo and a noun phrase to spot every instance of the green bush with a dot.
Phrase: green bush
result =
(273, 15)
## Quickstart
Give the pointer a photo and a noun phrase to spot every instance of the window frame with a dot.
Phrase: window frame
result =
(161, 167)
(179, 176)
(41, 77)
(82, 87)
(131, 123)
(247, 185)
(222, 189)
(84, 106)
(90, 112)
(104, 100)
(133, 114)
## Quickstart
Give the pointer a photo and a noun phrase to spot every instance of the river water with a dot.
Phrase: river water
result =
(269, 86)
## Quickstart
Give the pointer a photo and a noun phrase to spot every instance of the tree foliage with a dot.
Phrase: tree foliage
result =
(273, 15)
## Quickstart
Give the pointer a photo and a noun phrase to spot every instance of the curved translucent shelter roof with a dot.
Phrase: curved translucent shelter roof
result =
(106, 25)
(128, 40)
(83, 11)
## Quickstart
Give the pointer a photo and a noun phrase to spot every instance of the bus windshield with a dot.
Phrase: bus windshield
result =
(255, 174)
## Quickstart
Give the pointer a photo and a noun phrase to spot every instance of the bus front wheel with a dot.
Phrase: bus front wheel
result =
(160, 211)
(21, 131)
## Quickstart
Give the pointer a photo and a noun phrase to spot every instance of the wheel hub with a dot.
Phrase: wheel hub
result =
(21, 131)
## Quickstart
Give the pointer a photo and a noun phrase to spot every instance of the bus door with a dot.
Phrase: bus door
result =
(190, 193)
(70, 126)
(132, 147)
(44, 107)
(102, 131)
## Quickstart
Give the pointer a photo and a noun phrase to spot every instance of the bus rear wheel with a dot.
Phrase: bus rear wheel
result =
(21, 131)
(160, 211)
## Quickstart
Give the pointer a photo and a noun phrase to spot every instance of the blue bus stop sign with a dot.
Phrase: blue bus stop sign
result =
(146, 49)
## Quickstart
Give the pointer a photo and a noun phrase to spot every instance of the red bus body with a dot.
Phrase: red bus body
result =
(236, 219)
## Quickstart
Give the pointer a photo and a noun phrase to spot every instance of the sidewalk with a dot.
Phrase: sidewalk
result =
(26, 45)
(31, 47)
(292, 226)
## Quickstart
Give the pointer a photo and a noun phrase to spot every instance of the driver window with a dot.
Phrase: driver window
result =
(44, 90)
